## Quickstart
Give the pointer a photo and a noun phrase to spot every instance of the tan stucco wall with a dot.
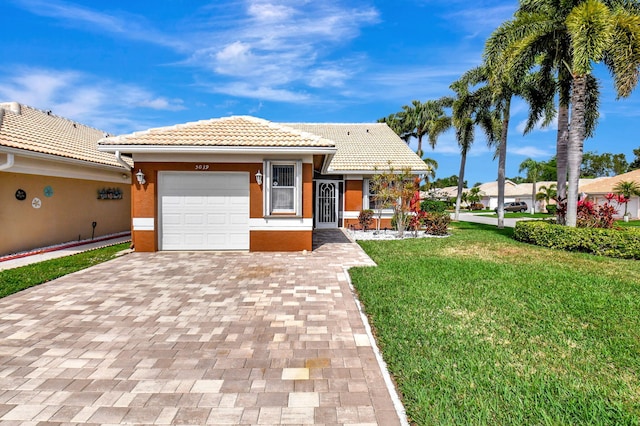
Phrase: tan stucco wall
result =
(65, 216)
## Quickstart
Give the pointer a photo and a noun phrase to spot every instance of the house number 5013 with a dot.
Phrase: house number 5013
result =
(202, 167)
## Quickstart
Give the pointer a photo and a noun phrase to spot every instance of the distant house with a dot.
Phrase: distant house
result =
(54, 183)
(598, 189)
(512, 192)
(244, 183)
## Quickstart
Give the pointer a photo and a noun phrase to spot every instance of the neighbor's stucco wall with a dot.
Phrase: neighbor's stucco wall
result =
(273, 235)
(65, 216)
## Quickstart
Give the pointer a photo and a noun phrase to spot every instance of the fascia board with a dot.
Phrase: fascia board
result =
(173, 149)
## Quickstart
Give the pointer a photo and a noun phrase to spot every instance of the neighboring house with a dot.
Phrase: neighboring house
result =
(51, 175)
(442, 194)
(244, 183)
(518, 192)
(489, 192)
(597, 189)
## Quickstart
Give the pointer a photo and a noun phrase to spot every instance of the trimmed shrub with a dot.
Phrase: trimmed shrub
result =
(552, 208)
(618, 243)
(436, 223)
(476, 206)
(433, 206)
(365, 218)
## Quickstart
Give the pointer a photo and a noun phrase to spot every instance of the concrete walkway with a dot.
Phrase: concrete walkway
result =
(41, 255)
(196, 338)
(487, 220)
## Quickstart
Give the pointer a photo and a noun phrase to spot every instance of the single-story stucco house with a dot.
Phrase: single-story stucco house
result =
(599, 188)
(245, 183)
(54, 183)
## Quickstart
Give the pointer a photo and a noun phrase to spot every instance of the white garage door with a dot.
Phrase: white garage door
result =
(204, 211)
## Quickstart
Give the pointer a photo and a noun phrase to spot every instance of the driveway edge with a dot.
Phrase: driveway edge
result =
(391, 388)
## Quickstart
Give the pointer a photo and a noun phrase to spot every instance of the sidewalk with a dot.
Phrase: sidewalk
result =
(54, 252)
(487, 220)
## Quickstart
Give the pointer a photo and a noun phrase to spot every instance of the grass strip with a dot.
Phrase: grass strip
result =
(480, 329)
(15, 280)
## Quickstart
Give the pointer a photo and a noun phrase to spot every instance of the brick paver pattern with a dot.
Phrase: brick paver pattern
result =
(195, 338)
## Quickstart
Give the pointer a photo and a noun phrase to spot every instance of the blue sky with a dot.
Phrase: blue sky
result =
(127, 66)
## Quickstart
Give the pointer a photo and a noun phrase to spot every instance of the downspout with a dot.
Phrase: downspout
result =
(9, 163)
(122, 162)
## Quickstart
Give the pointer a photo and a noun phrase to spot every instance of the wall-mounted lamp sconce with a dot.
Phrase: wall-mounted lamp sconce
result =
(140, 177)
(259, 178)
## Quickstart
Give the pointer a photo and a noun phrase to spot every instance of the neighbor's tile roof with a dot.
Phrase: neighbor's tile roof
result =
(240, 131)
(365, 147)
(605, 185)
(30, 129)
(490, 189)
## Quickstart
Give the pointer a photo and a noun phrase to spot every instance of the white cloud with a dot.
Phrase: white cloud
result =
(130, 27)
(482, 19)
(264, 93)
(270, 12)
(85, 98)
(530, 151)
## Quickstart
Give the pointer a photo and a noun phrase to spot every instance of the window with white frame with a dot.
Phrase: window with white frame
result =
(283, 183)
(370, 197)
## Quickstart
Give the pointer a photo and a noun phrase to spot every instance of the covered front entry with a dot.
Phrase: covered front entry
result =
(326, 204)
(203, 211)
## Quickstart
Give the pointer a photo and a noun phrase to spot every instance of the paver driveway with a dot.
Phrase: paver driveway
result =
(194, 338)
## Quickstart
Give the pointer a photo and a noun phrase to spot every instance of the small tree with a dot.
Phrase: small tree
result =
(473, 195)
(395, 189)
(383, 197)
(547, 194)
(627, 189)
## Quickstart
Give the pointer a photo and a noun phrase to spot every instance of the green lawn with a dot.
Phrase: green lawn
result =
(480, 329)
(624, 224)
(14, 280)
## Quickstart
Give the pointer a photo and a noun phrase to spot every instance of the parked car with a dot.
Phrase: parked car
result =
(516, 206)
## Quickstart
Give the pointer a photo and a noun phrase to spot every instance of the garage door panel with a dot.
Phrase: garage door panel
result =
(204, 211)
(217, 219)
(238, 220)
(194, 219)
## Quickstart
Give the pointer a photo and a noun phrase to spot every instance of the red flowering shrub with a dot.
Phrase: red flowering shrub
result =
(418, 214)
(590, 214)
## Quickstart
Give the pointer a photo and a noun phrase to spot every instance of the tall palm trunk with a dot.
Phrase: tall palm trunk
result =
(575, 146)
(463, 162)
(533, 196)
(502, 161)
(419, 151)
(561, 154)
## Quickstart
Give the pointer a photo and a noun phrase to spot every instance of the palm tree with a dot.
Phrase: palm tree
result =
(598, 33)
(469, 109)
(538, 37)
(426, 119)
(432, 165)
(398, 124)
(533, 168)
(628, 189)
(547, 193)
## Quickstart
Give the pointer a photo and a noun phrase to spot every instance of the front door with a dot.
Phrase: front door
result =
(326, 204)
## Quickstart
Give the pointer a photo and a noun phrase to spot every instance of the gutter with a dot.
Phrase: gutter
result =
(122, 162)
(9, 163)
(191, 149)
